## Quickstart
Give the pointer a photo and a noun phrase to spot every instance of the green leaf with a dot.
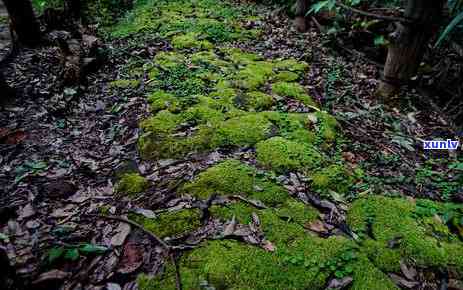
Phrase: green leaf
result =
(92, 249)
(54, 254)
(449, 28)
(379, 40)
(72, 254)
(339, 274)
(36, 164)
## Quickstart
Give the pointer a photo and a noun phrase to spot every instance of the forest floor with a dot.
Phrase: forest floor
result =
(259, 156)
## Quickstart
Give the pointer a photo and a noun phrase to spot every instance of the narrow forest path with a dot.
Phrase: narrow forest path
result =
(207, 127)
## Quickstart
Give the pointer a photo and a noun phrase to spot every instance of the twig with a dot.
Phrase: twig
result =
(132, 223)
(258, 204)
(178, 283)
(373, 15)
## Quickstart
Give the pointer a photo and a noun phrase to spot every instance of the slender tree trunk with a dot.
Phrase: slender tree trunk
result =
(300, 22)
(408, 44)
(23, 21)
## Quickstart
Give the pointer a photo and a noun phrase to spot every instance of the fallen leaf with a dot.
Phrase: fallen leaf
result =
(122, 231)
(339, 283)
(53, 275)
(409, 272)
(267, 245)
(26, 212)
(132, 258)
(317, 226)
(400, 281)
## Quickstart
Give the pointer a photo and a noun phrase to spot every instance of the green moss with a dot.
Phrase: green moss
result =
(287, 76)
(334, 177)
(239, 57)
(244, 130)
(291, 65)
(132, 184)
(283, 155)
(327, 126)
(254, 75)
(163, 122)
(170, 223)
(297, 211)
(394, 219)
(124, 84)
(168, 60)
(254, 101)
(190, 40)
(161, 100)
(222, 179)
(233, 265)
(367, 276)
(292, 90)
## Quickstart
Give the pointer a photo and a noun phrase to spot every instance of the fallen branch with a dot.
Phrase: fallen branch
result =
(373, 15)
(168, 248)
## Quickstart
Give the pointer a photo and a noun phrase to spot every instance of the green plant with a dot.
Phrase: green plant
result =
(72, 252)
(450, 27)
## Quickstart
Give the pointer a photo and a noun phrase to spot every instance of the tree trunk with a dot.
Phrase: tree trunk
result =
(300, 22)
(23, 21)
(408, 44)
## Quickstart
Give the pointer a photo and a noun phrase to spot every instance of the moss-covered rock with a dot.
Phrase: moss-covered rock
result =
(287, 76)
(161, 100)
(244, 130)
(393, 220)
(170, 223)
(333, 178)
(282, 155)
(131, 184)
(254, 101)
(292, 90)
(222, 179)
(190, 40)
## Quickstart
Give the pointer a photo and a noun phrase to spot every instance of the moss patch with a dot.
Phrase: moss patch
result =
(282, 155)
(292, 90)
(394, 220)
(132, 184)
(170, 223)
(222, 179)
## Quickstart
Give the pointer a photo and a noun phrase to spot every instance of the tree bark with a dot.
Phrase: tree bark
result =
(23, 21)
(300, 22)
(408, 44)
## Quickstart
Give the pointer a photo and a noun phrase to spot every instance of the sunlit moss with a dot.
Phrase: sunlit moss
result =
(170, 223)
(190, 40)
(282, 155)
(292, 90)
(131, 184)
(222, 179)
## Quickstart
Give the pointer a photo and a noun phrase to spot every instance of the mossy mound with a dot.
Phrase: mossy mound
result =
(284, 155)
(198, 22)
(300, 260)
(233, 177)
(225, 105)
(131, 184)
(170, 223)
(398, 230)
(203, 98)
